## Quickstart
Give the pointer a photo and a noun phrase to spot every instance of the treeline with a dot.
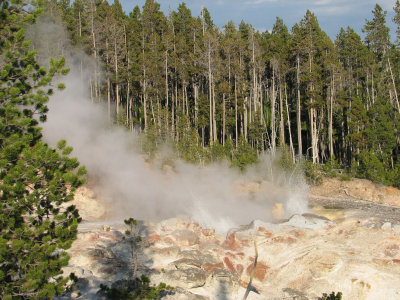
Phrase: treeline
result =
(210, 89)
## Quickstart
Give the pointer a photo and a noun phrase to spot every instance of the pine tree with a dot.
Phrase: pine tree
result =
(396, 19)
(133, 29)
(377, 33)
(355, 97)
(154, 24)
(36, 182)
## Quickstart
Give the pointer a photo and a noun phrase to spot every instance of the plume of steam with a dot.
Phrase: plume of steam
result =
(216, 196)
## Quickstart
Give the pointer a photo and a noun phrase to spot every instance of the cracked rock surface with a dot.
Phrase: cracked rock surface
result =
(348, 249)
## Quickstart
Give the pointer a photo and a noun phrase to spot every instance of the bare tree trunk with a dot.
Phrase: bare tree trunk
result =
(127, 103)
(273, 99)
(394, 86)
(92, 12)
(145, 102)
(79, 24)
(236, 116)
(109, 98)
(196, 104)
(186, 101)
(330, 129)
(173, 116)
(313, 120)
(373, 89)
(185, 107)
(253, 100)
(93, 34)
(176, 109)
(391, 97)
(282, 121)
(166, 90)
(210, 93)
(108, 84)
(223, 120)
(299, 139)
(130, 115)
(260, 96)
(203, 22)
(159, 114)
(153, 117)
(203, 136)
(245, 118)
(314, 134)
(144, 88)
(289, 127)
(214, 114)
(368, 93)
(322, 143)
(117, 100)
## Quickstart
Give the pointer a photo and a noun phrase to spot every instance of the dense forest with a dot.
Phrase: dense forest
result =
(235, 92)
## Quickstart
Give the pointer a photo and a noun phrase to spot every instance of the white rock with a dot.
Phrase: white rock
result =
(308, 221)
(387, 226)
(396, 228)
(251, 229)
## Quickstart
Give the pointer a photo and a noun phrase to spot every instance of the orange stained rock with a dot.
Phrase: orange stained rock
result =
(259, 272)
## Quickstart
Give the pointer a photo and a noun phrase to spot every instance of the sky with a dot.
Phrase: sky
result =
(331, 14)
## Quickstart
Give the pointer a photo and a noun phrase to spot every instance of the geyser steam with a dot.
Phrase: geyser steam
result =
(216, 196)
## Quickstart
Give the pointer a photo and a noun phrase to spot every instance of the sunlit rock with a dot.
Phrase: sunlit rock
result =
(308, 221)
(185, 278)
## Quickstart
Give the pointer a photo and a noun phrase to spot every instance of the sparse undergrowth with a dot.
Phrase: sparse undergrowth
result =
(139, 288)
(332, 296)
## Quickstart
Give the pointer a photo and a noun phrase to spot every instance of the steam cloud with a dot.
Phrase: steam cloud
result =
(215, 196)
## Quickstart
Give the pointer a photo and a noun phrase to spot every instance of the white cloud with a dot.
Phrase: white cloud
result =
(255, 2)
(386, 4)
(329, 2)
(332, 10)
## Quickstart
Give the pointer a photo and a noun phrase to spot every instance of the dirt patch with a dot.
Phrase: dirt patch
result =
(357, 189)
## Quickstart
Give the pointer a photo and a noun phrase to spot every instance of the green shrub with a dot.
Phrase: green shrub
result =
(331, 167)
(139, 288)
(345, 177)
(312, 173)
(332, 296)
(244, 155)
(371, 167)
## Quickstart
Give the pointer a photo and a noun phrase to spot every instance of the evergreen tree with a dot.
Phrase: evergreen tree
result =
(36, 182)
(377, 33)
(396, 19)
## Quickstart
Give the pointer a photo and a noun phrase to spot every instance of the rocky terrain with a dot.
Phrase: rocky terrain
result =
(345, 245)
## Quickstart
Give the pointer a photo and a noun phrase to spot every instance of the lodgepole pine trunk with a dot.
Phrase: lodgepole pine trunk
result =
(298, 109)
(273, 99)
(289, 127)
(210, 84)
(236, 115)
